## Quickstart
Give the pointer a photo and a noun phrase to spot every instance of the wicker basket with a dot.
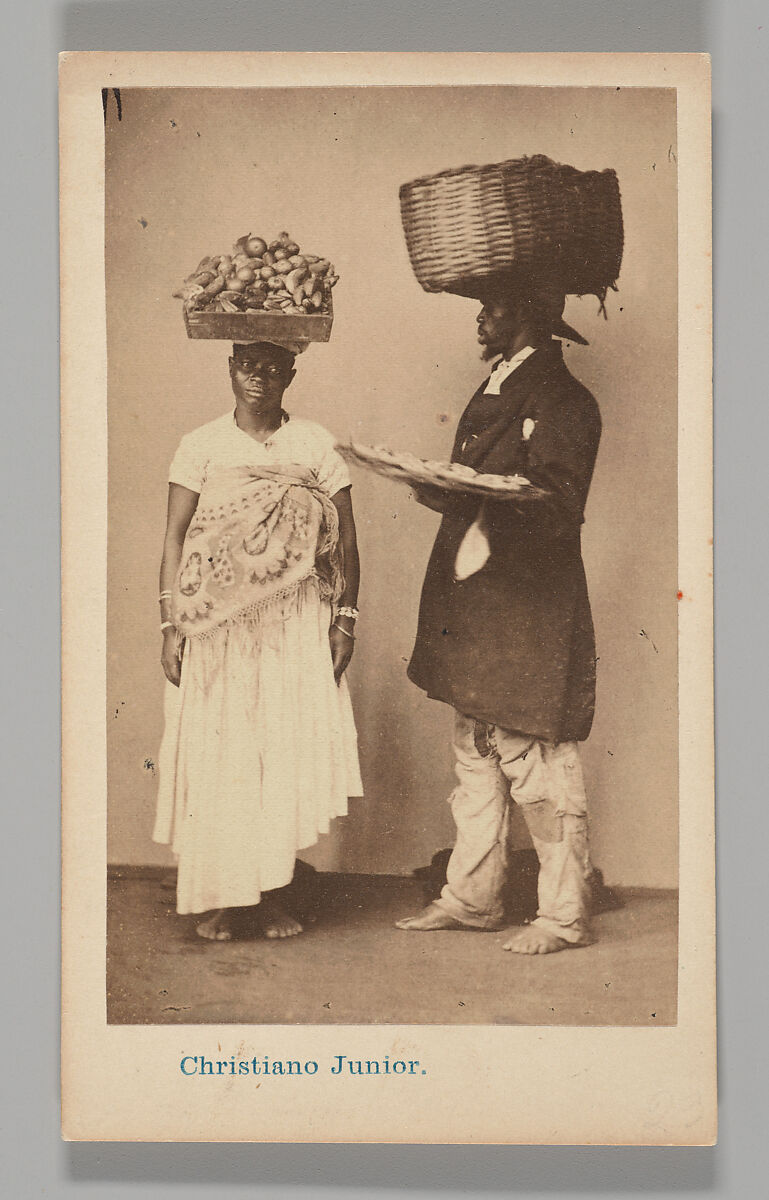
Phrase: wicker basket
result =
(463, 226)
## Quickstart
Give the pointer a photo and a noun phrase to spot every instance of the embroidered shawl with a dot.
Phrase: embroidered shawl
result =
(258, 538)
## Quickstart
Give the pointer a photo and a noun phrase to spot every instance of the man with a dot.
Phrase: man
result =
(505, 633)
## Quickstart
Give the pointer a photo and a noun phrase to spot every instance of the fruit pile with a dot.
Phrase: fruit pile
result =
(258, 277)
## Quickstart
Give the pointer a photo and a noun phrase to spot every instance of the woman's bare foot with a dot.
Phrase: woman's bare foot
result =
(433, 918)
(273, 919)
(217, 927)
(534, 940)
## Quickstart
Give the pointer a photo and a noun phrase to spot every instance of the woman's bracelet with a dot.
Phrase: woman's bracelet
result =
(346, 632)
(349, 610)
(166, 625)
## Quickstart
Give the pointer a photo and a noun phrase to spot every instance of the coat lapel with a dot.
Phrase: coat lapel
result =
(488, 419)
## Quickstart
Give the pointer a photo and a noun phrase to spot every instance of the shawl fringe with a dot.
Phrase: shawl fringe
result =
(246, 629)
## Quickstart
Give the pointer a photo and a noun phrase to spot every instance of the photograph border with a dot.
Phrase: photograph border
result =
(668, 1088)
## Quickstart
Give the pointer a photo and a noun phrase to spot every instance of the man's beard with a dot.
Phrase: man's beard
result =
(489, 352)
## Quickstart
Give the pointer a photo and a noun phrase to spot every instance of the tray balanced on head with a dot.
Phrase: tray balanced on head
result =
(260, 326)
(260, 292)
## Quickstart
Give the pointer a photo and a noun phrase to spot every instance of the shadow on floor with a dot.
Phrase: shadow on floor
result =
(352, 967)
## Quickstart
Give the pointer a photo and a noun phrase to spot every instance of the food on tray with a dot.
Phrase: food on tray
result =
(407, 468)
(260, 277)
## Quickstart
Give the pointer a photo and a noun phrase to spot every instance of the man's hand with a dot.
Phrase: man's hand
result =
(430, 497)
(169, 657)
(342, 646)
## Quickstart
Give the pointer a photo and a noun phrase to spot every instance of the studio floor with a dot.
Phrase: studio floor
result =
(352, 967)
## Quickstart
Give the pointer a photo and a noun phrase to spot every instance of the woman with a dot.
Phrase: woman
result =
(259, 751)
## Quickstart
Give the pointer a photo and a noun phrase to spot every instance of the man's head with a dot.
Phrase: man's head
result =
(260, 373)
(502, 327)
(518, 311)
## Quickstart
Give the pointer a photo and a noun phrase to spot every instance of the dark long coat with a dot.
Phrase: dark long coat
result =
(513, 644)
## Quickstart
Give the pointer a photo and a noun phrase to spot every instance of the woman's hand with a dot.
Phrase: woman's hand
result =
(342, 646)
(172, 664)
(341, 635)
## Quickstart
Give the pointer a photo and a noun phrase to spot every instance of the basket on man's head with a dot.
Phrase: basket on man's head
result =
(467, 225)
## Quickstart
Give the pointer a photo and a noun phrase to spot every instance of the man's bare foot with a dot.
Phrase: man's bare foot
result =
(434, 918)
(534, 940)
(217, 927)
(274, 921)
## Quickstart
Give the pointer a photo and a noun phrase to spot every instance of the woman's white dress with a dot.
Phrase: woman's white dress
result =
(258, 756)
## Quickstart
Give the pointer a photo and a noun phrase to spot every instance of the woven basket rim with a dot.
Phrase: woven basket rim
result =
(469, 168)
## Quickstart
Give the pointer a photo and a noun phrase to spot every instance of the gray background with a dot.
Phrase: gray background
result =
(39, 1164)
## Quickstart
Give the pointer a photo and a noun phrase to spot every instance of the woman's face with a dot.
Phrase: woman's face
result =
(260, 375)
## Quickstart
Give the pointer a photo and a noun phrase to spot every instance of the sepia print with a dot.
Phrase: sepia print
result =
(392, 368)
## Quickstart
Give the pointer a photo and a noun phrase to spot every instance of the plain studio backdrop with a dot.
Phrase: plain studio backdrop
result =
(190, 170)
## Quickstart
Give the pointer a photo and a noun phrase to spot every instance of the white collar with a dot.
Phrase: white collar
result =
(504, 368)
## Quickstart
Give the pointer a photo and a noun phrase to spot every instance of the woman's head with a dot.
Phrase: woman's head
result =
(260, 373)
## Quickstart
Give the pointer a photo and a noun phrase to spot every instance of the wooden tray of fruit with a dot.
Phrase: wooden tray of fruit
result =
(262, 291)
(260, 326)
(452, 477)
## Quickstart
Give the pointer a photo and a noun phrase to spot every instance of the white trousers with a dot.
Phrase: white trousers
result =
(493, 766)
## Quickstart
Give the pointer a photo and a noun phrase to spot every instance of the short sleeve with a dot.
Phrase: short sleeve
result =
(331, 467)
(188, 467)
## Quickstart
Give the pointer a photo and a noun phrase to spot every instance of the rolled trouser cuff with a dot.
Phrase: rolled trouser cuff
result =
(460, 912)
